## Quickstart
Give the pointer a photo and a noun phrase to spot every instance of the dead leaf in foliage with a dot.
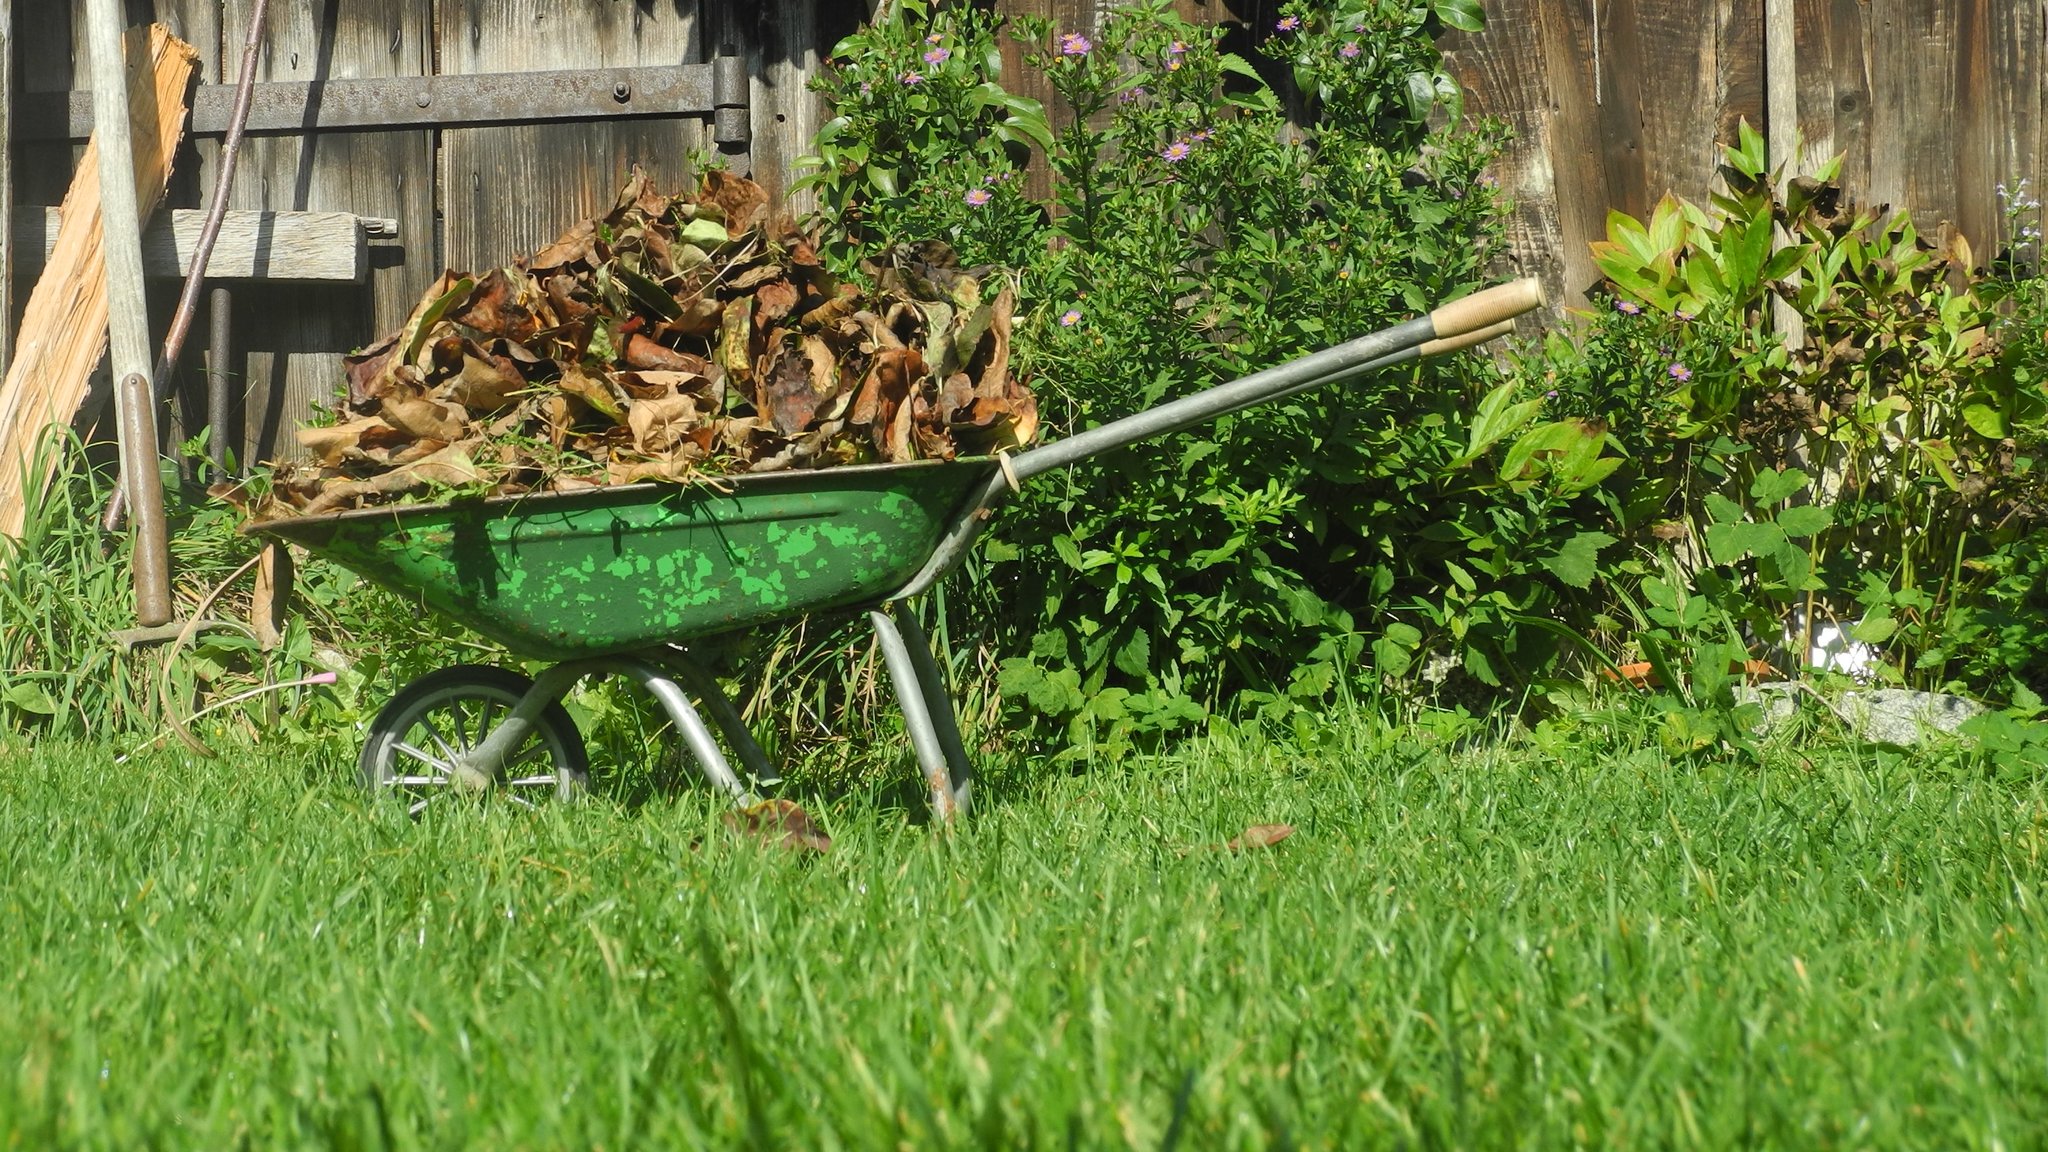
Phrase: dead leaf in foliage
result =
(486, 385)
(574, 246)
(742, 200)
(592, 390)
(424, 419)
(1260, 836)
(659, 424)
(779, 822)
(644, 353)
(328, 441)
(772, 302)
(493, 310)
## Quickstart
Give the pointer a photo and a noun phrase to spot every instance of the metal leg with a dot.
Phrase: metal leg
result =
(479, 767)
(696, 735)
(934, 733)
(701, 684)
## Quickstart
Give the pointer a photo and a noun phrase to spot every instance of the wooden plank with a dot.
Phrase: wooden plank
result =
(291, 340)
(507, 191)
(274, 246)
(64, 329)
(1681, 46)
(1577, 147)
(1998, 79)
(783, 53)
(1502, 69)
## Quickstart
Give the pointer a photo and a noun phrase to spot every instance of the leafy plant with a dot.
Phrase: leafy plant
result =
(1190, 235)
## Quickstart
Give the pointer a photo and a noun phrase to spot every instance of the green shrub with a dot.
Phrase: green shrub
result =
(1884, 475)
(1190, 235)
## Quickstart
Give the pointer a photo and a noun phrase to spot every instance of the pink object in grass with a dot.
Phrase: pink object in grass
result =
(978, 196)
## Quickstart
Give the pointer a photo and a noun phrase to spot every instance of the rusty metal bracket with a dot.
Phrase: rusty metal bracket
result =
(717, 91)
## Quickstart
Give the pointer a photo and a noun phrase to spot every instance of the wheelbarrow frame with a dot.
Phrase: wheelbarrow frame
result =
(672, 677)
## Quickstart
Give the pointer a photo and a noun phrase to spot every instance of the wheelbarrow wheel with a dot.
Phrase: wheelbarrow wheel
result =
(446, 713)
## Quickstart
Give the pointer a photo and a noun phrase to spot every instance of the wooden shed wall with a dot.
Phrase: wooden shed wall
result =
(1613, 102)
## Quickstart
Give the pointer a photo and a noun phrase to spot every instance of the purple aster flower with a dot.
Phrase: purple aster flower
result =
(1131, 95)
(1627, 307)
(978, 196)
(1288, 23)
(1175, 152)
(934, 38)
(1679, 372)
(1075, 44)
(1349, 51)
(1176, 48)
(909, 78)
(937, 56)
(1683, 316)
(1070, 317)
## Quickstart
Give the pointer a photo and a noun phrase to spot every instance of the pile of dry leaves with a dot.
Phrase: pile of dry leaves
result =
(677, 337)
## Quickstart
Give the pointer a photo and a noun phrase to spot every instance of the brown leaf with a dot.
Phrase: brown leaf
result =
(644, 353)
(742, 200)
(779, 822)
(592, 389)
(493, 309)
(1259, 836)
(424, 419)
(366, 370)
(575, 246)
(658, 425)
(484, 386)
(773, 301)
(331, 443)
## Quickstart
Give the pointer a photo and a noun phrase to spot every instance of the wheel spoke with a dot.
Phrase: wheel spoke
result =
(444, 767)
(533, 781)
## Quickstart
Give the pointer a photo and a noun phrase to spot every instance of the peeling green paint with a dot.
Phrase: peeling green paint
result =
(616, 569)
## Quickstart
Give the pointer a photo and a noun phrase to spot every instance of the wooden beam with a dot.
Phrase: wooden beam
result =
(64, 329)
(286, 246)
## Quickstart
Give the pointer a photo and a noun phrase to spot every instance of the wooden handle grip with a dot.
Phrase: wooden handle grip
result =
(1476, 336)
(1484, 309)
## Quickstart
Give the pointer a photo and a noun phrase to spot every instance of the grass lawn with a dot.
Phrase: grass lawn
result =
(1532, 946)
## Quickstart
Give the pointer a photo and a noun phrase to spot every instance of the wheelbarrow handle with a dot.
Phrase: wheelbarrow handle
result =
(1455, 325)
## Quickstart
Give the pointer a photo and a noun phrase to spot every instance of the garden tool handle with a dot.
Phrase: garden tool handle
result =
(1460, 343)
(1486, 309)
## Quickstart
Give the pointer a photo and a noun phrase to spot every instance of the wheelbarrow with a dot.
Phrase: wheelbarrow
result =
(619, 580)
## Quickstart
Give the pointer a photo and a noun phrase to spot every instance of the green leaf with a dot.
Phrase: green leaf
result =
(1722, 510)
(1727, 543)
(1069, 551)
(1578, 561)
(1804, 520)
(1498, 417)
(30, 696)
(1985, 419)
(1875, 628)
(1464, 15)
(1777, 485)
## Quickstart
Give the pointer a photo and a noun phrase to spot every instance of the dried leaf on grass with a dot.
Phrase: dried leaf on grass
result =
(779, 822)
(677, 337)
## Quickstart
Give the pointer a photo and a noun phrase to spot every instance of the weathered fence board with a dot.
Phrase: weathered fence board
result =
(1932, 103)
(508, 190)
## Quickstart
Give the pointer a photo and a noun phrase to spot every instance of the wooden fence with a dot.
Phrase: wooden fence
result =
(1933, 104)
(1613, 102)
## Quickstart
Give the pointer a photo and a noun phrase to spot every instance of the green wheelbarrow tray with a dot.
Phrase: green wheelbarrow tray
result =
(605, 571)
(614, 581)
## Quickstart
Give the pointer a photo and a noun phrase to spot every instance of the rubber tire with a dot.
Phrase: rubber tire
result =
(556, 731)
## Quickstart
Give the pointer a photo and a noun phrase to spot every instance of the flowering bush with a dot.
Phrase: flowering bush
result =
(1191, 235)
